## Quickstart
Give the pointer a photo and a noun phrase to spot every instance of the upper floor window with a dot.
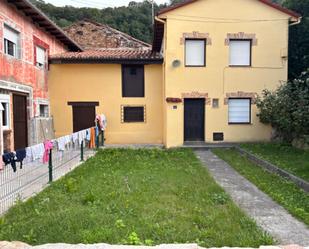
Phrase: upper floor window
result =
(133, 84)
(11, 42)
(5, 107)
(239, 111)
(40, 57)
(195, 52)
(240, 52)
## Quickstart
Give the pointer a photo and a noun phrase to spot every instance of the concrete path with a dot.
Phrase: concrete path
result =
(268, 214)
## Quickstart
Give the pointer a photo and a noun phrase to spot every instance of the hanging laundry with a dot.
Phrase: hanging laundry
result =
(101, 120)
(28, 158)
(37, 151)
(61, 143)
(75, 137)
(10, 158)
(48, 145)
(88, 134)
(20, 156)
(81, 136)
(92, 138)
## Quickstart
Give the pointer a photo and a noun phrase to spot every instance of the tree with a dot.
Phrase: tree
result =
(287, 109)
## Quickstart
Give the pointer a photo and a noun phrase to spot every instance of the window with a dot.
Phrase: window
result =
(5, 104)
(11, 42)
(240, 52)
(133, 81)
(195, 51)
(44, 111)
(133, 114)
(40, 57)
(239, 111)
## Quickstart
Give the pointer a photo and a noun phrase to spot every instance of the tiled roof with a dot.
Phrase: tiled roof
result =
(93, 35)
(108, 55)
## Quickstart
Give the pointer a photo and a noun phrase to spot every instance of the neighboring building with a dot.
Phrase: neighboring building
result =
(209, 60)
(27, 37)
(93, 35)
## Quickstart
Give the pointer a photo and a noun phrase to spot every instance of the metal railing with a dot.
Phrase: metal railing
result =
(34, 176)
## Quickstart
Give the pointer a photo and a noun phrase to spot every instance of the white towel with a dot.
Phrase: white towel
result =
(37, 151)
(61, 143)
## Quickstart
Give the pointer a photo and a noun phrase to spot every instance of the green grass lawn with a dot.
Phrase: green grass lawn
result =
(286, 193)
(294, 160)
(134, 197)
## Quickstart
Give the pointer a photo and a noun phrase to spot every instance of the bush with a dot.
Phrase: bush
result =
(287, 108)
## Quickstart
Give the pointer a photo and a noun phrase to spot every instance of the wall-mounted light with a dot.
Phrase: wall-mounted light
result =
(176, 63)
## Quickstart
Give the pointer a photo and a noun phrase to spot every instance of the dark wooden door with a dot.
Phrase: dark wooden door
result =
(83, 117)
(194, 123)
(20, 121)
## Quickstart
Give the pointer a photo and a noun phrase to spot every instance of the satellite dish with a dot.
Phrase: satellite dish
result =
(176, 63)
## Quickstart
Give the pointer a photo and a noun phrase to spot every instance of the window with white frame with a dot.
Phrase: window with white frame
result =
(11, 42)
(195, 52)
(5, 104)
(40, 57)
(239, 111)
(240, 52)
(44, 112)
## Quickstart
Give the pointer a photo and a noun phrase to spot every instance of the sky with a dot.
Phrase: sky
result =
(96, 3)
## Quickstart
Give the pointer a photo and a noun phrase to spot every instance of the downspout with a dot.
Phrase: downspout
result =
(164, 84)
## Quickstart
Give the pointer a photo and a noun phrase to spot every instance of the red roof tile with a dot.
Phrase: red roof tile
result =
(109, 55)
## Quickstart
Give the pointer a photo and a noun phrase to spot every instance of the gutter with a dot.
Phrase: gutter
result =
(296, 23)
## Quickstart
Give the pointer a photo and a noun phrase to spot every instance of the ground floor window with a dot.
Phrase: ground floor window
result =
(44, 112)
(239, 111)
(5, 104)
(132, 114)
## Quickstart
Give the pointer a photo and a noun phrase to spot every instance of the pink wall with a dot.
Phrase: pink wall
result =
(23, 70)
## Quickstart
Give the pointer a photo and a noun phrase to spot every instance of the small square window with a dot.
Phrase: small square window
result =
(44, 112)
(195, 52)
(215, 103)
(240, 52)
(132, 114)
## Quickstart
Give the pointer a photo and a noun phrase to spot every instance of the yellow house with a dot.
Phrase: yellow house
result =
(199, 81)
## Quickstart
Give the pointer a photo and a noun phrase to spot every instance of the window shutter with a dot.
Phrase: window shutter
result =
(239, 110)
(40, 55)
(240, 53)
(11, 35)
(195, 52)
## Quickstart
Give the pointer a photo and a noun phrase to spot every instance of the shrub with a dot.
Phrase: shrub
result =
(287, 108)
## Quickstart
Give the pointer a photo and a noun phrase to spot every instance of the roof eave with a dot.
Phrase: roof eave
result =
(45, 23)
(104, 61)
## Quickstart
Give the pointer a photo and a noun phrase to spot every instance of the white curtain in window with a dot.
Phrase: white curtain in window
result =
(239, 110)
(195, 53)
(240, 53)
(11, 35)
(40, 55)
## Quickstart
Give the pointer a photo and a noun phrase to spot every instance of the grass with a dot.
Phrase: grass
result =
(126, 196)
(284, 192)
(293, 160)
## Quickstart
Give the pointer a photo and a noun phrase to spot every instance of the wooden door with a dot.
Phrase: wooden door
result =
(83, 117)
(194, 120)
(20, 121)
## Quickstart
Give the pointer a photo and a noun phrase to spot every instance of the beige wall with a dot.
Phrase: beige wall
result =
(219, 17)
(102, 82)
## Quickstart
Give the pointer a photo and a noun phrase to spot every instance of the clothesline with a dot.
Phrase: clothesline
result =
(41, 151)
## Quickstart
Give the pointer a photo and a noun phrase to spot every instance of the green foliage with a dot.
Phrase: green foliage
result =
(285, 156)
(134, 19)
(134, 197)
(287, 109)
(286, 193)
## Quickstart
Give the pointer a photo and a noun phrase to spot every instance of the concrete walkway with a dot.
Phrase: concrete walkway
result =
(268, 214)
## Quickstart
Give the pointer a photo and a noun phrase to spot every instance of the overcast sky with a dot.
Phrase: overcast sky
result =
(95, 3)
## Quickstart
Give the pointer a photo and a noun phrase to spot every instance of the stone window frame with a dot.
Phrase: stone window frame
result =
(137, 122)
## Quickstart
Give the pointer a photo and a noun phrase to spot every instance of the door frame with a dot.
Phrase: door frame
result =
(204, 119)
